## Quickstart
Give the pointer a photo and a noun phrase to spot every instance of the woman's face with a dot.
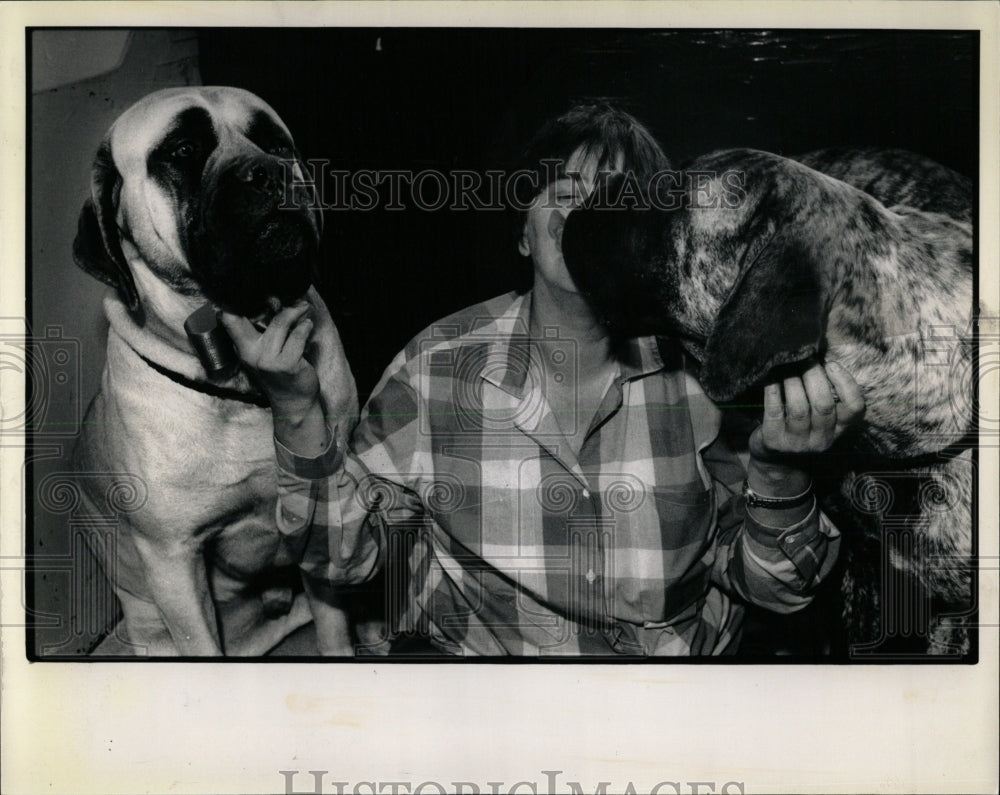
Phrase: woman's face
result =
(541, 237)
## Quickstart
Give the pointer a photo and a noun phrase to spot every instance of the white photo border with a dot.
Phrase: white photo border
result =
(195, 728)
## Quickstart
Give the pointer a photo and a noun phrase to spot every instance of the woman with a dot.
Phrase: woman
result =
(544, 487)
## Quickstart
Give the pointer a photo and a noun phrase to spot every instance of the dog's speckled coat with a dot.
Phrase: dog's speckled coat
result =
(863, 257)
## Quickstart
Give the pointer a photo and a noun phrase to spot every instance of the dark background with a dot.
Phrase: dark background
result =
(470, 98)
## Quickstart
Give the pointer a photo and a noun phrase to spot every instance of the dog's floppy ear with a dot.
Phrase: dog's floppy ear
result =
(97, 247)
(774, 315)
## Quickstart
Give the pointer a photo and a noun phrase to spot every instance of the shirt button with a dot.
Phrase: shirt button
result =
(790, 539)
(586, 494)
(591, 576)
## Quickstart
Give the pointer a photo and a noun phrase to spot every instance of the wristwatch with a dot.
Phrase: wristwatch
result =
(755, 500)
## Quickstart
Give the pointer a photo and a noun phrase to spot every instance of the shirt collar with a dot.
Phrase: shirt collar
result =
(506, 364)
(639, 356)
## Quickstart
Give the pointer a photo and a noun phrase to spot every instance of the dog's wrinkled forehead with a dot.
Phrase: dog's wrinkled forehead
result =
(221, 111)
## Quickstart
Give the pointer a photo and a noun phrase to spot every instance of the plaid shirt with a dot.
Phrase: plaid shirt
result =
(497, 539)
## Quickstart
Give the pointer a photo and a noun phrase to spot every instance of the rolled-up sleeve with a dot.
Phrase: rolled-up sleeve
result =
(333, 509)
(775, 567)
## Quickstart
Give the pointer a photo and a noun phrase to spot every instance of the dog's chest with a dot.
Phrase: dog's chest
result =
(201, 440)
(208, 462)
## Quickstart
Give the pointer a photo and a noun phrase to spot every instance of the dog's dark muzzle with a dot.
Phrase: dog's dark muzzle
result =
(604, 249)
(256, 234)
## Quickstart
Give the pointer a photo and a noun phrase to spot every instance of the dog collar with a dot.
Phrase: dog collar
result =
(254, 397)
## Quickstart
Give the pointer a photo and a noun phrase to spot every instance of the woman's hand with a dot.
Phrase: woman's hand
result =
(802, 415)
(300, 364)
(817, 408)
(277, 359)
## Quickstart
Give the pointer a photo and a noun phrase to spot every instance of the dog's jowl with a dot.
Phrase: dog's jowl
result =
(197, 198)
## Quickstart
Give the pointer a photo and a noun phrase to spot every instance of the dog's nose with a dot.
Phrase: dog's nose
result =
(260, 174)
(253, 173)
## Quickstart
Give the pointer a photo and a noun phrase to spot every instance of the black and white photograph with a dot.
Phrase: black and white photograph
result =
(492, 351)
(606, 262)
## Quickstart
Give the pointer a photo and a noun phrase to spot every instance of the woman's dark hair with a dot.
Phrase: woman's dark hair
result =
(602, 133)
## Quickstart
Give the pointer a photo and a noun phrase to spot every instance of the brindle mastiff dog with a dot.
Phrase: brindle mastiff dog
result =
(196, 198)
(863, 257)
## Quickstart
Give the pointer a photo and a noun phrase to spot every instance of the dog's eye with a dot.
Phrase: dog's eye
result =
(185, 150)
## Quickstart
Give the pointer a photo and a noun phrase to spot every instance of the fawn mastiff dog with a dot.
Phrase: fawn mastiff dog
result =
(189, 212)
(864, 257)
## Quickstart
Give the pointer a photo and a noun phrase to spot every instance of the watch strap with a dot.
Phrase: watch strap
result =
(755, 500)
